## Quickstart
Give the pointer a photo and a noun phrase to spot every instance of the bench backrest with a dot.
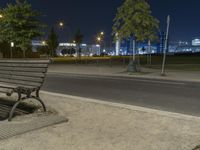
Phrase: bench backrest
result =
(23, 72)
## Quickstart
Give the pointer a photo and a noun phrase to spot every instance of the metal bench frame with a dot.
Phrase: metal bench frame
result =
(23, 92)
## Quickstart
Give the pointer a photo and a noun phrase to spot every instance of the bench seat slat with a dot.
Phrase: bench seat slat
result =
(12, 81)
(27, 61)
(22, 78)
(5, 90)
(15, 86)
(18, 69)
(23, 74)
(25, 65)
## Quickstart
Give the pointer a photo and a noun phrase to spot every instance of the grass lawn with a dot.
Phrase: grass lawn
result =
(172, 62)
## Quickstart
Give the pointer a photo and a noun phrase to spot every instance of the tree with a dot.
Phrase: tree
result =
(43, 50)
(134, 19)
(78, 39)
(52, 42)
(5, 49)
(20, 24)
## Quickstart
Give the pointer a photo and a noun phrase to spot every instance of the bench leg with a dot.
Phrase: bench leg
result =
(39, 99)
(13, 109)
(19, 96)
(24, 98)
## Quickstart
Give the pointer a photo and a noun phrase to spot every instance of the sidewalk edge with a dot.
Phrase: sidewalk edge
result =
(126, 106)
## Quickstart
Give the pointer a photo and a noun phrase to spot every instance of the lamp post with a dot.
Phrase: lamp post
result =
(102, 33)
(99, 42)
(99, 39)
(61, 24)
(165, 48)
(12, 44)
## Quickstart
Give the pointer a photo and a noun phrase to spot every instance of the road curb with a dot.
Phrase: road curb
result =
(125, 106)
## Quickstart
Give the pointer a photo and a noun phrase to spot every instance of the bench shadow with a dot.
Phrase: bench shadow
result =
(23, 108)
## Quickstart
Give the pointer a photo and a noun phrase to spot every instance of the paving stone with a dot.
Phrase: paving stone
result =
(27, 124)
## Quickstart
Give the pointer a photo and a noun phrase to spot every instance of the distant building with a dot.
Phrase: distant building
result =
(183, 43)
(86, 50)
(161, 47)
(36, 44)
(187, 49)
(196, 42)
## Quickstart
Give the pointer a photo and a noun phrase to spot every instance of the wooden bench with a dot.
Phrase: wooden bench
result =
(23, 77)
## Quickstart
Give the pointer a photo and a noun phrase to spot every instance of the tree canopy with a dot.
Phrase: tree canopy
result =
(20, 24)
(134, 18)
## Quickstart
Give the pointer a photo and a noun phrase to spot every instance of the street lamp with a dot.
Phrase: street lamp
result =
(61, 24)
(102, 33)
(98, 39)
(99, 42)
(1, 16)
(44, 43)
(102, 36)
(12, 44)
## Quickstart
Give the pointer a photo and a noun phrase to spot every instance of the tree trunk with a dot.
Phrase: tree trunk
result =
(24, 53)
(132, 66)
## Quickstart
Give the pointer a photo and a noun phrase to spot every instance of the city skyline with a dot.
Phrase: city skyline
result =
(95, 16)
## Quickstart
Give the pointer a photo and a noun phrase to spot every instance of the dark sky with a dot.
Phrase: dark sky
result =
(92, 16)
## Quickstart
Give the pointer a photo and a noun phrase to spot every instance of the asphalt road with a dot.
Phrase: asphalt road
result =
(181, 97)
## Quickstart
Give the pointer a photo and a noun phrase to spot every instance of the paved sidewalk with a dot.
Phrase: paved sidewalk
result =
(193, 76)
(97, 125)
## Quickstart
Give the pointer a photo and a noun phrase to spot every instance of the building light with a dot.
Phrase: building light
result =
(83, 44)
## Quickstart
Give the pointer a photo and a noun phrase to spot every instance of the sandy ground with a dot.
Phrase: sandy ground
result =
(121, 71)
(96, 125)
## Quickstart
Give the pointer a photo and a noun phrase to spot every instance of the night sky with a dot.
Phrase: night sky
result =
(93, 16)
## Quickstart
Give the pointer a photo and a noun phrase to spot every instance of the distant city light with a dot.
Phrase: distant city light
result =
(67, 44)
(83, 44)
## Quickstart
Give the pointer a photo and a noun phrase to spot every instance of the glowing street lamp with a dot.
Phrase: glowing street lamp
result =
(102, 33)
(99, 42)
(61, 24)
(44, 43)
(12, 44)
(1, 16)
(99, 39)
